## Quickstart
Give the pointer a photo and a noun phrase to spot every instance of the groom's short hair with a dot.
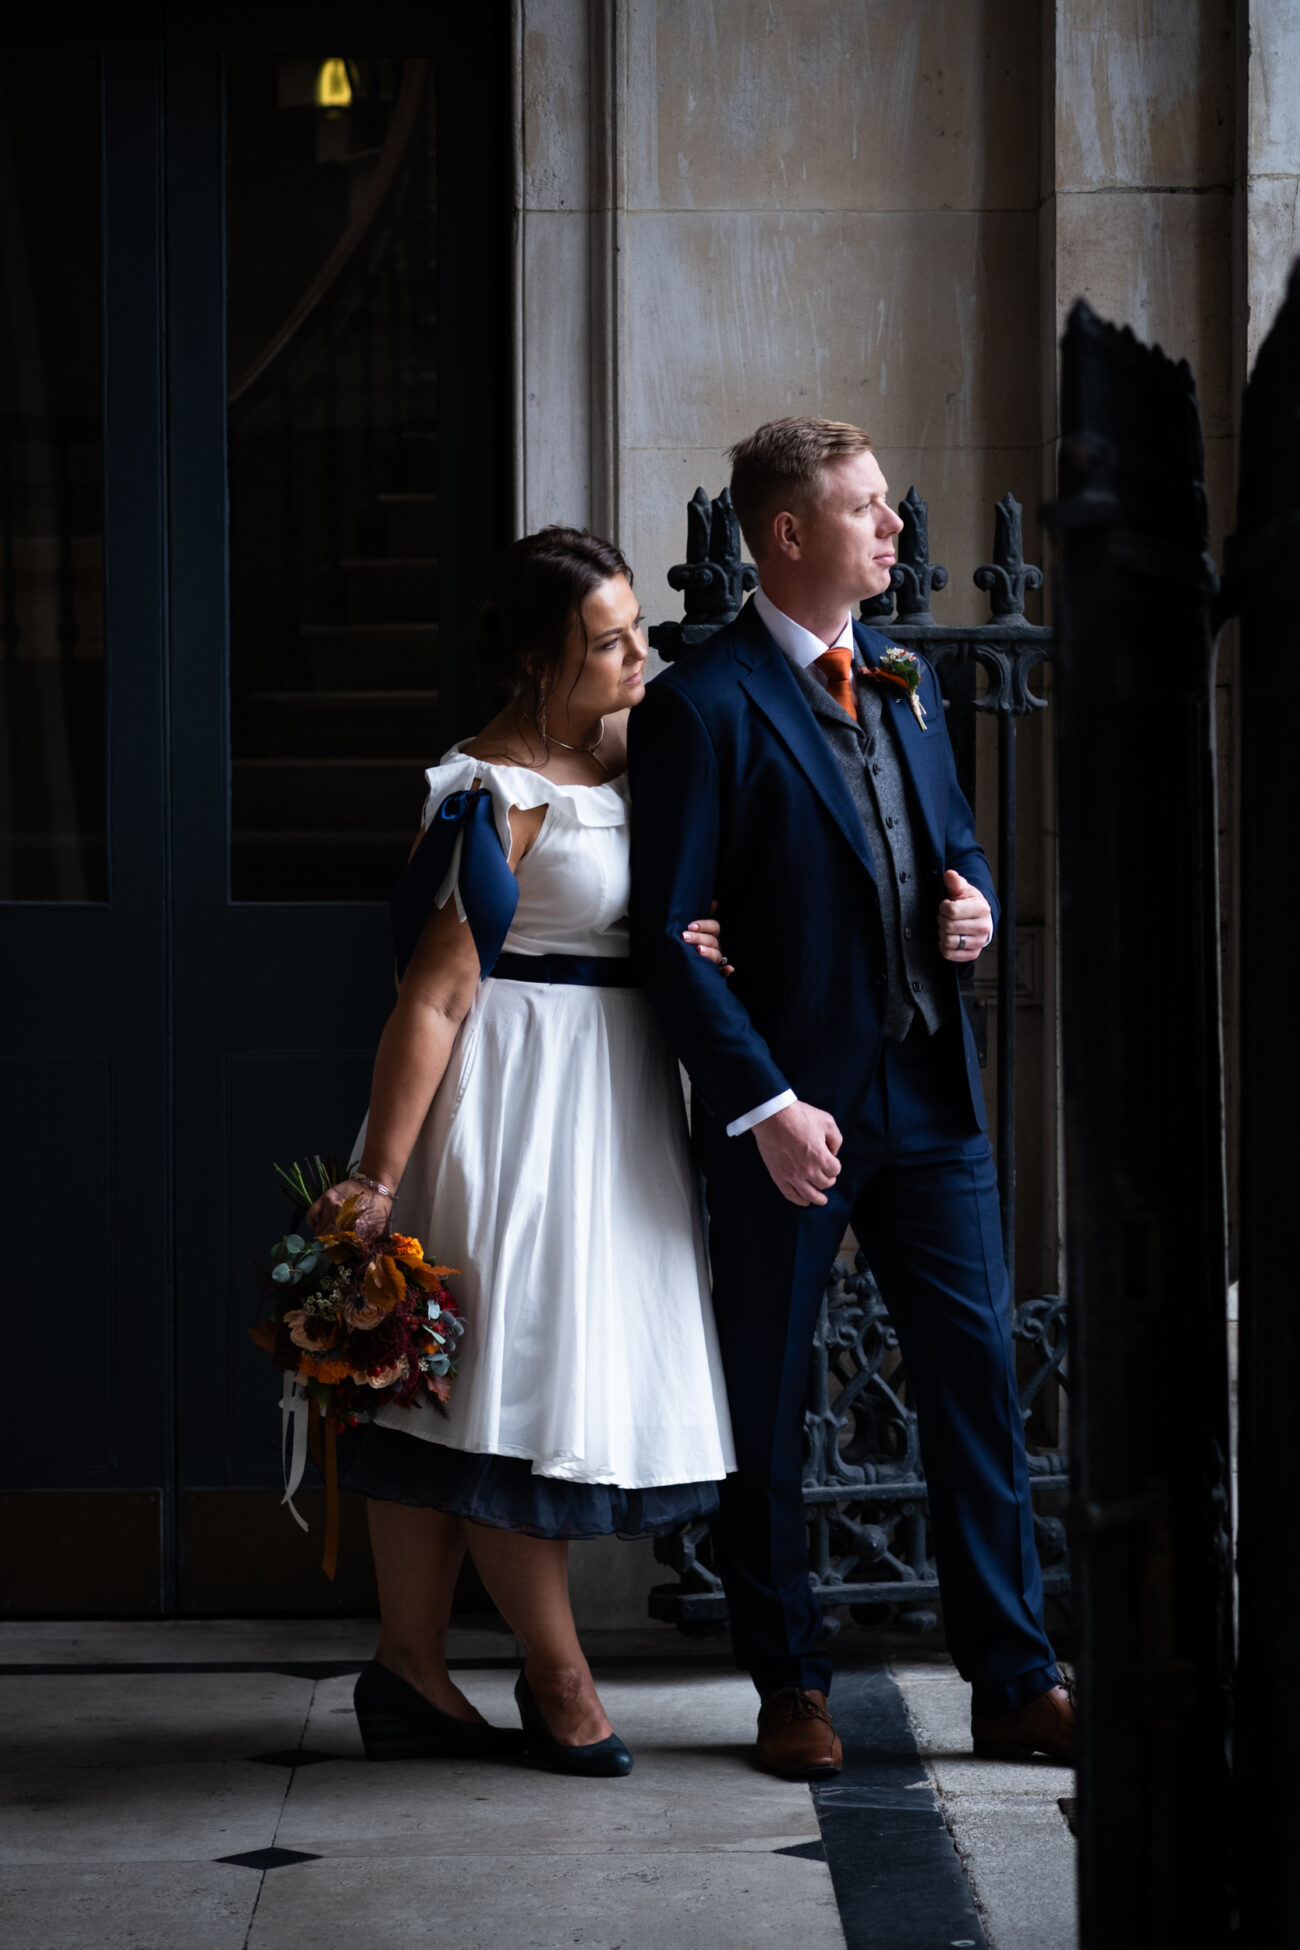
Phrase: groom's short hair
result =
(779, 467)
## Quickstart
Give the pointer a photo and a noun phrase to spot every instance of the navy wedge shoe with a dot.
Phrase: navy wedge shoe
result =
(601, 1757)
(398, 1723)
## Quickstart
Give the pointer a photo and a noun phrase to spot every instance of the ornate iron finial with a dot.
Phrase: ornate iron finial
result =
(713, 578)
(1008, 575)
(913, 576)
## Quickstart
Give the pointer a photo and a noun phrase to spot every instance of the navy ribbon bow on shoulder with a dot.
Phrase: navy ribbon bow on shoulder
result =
(489, 891)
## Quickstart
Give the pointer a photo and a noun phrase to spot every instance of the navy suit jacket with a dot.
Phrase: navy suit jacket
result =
(737, 796)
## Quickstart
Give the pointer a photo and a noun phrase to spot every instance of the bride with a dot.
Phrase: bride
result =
(526, 1123)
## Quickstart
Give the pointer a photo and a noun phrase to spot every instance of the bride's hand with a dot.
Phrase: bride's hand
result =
(371, 1215)
(707, 937)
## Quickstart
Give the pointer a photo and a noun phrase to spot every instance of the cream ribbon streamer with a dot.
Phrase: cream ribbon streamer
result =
(295, 1408)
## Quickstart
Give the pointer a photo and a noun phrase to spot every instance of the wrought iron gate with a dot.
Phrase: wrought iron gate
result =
(864, 1483)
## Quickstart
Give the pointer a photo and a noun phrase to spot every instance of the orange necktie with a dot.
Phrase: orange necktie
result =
(839, 685)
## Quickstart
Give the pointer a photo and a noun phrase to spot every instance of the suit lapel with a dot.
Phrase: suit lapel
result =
(920, 750)
(771, 686)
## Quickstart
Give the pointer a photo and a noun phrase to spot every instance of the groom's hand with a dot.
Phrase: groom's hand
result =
(965, 920)
(798, 1146)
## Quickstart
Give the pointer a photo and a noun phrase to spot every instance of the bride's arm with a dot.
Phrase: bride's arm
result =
(433, 999)
(432, 1002)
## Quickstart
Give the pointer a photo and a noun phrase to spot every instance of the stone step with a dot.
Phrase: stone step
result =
(391, 589)
(411, 461)
(410, 521)
(375, 662)
(364, 796)
(372, 656)
(344, 724)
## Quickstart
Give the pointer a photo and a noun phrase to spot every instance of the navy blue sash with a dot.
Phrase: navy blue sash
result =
(489, 891)
(583, 971)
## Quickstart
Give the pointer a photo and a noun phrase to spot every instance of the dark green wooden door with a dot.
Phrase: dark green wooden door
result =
(280, 656)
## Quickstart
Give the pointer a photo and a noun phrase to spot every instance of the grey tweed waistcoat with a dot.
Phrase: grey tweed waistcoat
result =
(868, 758)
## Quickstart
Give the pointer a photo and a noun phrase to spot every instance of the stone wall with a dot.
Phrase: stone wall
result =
(831, 209)
(882, 212)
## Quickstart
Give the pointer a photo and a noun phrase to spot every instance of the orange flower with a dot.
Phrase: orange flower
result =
(405, 1246)
(329, 1371)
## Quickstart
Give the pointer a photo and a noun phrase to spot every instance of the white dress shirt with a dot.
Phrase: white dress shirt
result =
(803, 650)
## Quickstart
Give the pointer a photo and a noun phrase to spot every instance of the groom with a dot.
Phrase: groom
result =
(783, 770)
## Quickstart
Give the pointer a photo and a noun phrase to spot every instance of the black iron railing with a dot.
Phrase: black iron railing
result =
(864, 1484)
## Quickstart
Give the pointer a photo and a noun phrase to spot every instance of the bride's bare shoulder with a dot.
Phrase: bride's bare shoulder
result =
(503, 742)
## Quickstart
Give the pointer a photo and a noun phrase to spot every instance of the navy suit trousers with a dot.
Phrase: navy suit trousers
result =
(919, 1186)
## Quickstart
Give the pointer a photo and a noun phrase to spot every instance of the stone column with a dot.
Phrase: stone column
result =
(570, 86)
(1138, 169)
(1269, 163)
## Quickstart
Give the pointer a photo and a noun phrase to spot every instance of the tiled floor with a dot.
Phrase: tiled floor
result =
(1005, 1820)
(130, 1797)
(154, 1798)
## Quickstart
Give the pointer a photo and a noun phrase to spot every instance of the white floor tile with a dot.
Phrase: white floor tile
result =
(175, 1813)
(551, 1902)
(127, 1719)
(172, 1906)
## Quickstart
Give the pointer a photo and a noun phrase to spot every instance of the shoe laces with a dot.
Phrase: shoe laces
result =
(806, 1707)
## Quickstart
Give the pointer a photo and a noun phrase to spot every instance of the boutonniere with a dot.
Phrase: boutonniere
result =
(900, 670)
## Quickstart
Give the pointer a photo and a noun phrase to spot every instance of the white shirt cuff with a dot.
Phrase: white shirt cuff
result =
(740, 1125)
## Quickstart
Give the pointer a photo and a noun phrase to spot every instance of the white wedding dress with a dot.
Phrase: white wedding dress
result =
(553, 1170)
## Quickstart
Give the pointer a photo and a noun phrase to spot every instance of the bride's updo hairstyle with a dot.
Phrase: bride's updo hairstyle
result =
(535, 590)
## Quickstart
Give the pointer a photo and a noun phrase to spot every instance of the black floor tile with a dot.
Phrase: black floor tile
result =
(268, 1858)
(897, 1878)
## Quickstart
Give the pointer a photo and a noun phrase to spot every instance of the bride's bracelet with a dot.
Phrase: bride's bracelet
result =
(372, 1184)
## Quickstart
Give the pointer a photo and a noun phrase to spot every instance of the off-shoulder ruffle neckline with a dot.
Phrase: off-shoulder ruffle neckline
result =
(519, 785)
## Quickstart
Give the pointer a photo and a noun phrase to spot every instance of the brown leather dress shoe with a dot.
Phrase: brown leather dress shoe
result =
(795, 1737)
(1045, 1726)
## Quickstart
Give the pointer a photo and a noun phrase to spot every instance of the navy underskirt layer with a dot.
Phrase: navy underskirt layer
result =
(502, 1491)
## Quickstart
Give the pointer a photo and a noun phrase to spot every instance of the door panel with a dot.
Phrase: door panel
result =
(86, 1132)
(276, 1006)
(53, 748)
(305, 707)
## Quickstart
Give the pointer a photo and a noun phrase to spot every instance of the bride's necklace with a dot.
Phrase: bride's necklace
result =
(586, 751)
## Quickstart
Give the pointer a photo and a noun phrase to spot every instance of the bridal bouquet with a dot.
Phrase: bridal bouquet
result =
(364, 1318)
(360, 1319)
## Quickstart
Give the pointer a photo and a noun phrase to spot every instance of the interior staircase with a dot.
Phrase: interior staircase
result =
(327, 781)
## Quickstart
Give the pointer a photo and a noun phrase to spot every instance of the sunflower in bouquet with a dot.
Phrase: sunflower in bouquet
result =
(362, 1318)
